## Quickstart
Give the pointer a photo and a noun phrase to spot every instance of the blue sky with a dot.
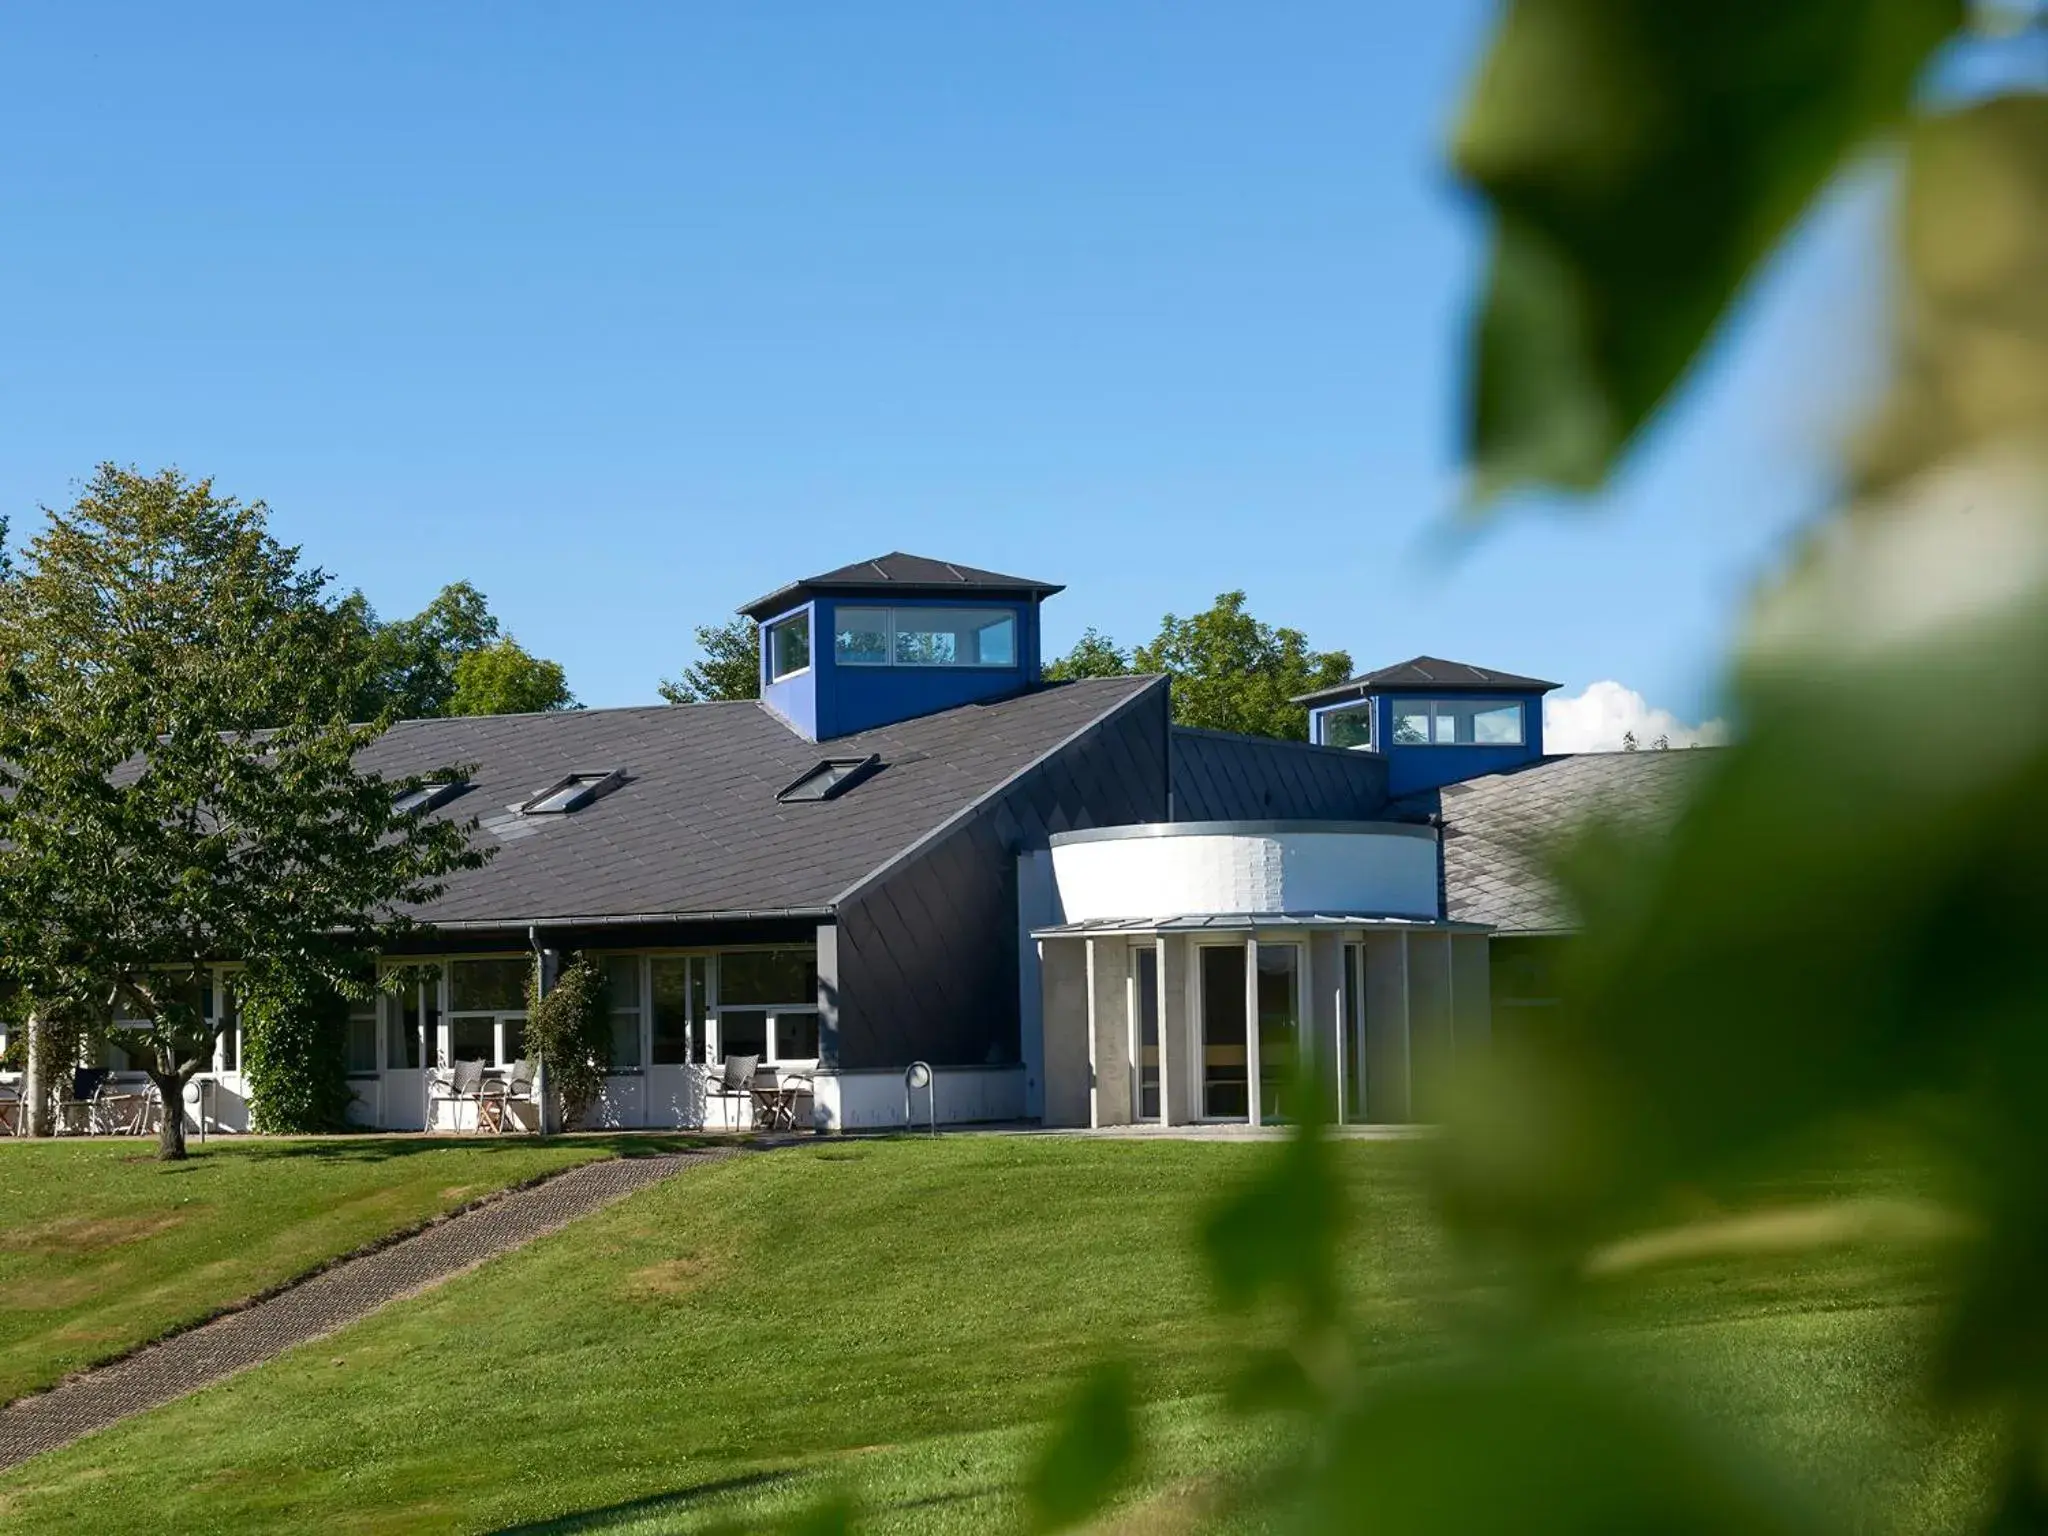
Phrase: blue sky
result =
(630, 313)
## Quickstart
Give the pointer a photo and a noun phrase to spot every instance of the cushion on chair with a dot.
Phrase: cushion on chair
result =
(739, 1073)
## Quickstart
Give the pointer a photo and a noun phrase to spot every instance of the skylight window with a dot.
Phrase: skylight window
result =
(430, 796)
(573, 793)
(829, 779)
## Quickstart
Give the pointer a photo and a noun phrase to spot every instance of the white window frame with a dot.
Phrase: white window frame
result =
(769, 631)
(1370, 708)
(1520, 706)
(891, 613)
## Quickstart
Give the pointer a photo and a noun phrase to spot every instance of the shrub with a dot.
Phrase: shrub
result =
(293, 1029)
(568, 1029)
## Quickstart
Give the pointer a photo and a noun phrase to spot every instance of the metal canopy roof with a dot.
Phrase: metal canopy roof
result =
(1246, 922)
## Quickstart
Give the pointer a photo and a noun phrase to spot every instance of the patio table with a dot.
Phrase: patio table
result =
(775, 1101)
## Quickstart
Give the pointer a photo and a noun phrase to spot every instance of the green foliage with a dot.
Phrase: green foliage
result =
(1639, 159)
(1232, 672)
(568, 1029)
(293, 1026)
(1093, 655)
(1090, 1452)
(730, 667)
(503, 678)
(177, 774)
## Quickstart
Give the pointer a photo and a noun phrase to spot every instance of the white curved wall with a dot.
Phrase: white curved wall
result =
(1209, 869)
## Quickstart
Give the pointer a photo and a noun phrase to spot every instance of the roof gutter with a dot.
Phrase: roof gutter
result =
(620, 920)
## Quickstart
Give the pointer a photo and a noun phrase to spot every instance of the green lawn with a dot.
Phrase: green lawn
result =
(897, 1316)
(103, 1248)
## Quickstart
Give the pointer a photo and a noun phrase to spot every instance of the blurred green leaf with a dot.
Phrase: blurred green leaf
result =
(1093, 1444)
(1535, 1446)
(1640, 158)
(1973, 310)
(1278, 1233)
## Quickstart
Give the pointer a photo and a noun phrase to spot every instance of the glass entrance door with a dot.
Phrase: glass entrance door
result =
(1226, 1090)
(1279, 1029)
(1145, 1104)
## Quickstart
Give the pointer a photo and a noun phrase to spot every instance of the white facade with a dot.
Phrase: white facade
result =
(1199, 868)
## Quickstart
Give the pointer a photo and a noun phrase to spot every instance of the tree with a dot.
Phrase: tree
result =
(1628, 741)
(1233, 673)
(1093, 655)
(730, 668)
(177, 775)
(413, 663)
(503, 678)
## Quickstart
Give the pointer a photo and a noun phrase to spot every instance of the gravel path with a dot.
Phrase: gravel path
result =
(331, 1299)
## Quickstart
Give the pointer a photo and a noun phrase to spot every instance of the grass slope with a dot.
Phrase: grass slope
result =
(897, 1316)
(103, 1248)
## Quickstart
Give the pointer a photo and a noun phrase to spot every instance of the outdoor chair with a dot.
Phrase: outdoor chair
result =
(457, 1085)
(78, 1111)
(497, 1096)
(127, 1111)
(13, 1111)
(734, 1080)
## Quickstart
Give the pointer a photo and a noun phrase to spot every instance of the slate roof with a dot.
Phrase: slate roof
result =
(697, 832)
(1495, 827)
(1426, 672)
(910, 575)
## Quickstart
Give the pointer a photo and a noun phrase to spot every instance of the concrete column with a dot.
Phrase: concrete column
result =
(1323, 981)
(1178, 1047)
(1063, 971)
(1109, 972)
(1432, 1053)
(1255, 1111)
(1386, 1027)
(1471, 992)
(828, 996)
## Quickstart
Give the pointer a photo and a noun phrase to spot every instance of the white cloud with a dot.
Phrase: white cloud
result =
(1596, 721)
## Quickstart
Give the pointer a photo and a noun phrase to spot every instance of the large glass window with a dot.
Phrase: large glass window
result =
(1458, 722)
(789, 646)
(768, 976)
(488, 986)
(1225, 1087)
(677, 996)
(413, 1015)
(1148, 1032)
(926, 637)
(487, 1009)
(359, 1043)
(1350, 726)
(1279, 1028)
(743, 1032)
(622, 1002)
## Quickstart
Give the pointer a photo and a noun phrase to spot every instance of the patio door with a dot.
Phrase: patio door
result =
(1279, 1024)
(412, 1044)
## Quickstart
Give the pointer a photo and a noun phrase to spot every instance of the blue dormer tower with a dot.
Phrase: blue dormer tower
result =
(1435, 721)
(893, 638)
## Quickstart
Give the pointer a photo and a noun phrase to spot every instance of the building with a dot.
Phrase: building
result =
(912, 848)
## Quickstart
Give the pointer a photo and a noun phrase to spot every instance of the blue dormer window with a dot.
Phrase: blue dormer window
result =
(926, 637)
(1459, 722)
(789, 647)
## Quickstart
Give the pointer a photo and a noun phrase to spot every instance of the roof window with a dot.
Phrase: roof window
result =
(573, 793)
(830, 778)
(430, 796)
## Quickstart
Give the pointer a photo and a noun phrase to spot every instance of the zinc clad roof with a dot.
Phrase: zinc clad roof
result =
(910, 575)
(1496, 828)
(1429, 673)
(696, 829)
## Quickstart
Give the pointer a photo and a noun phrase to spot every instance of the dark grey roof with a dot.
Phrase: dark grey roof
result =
(1495, 828)
(697, 830)
(1430, 672)
(908, 575)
